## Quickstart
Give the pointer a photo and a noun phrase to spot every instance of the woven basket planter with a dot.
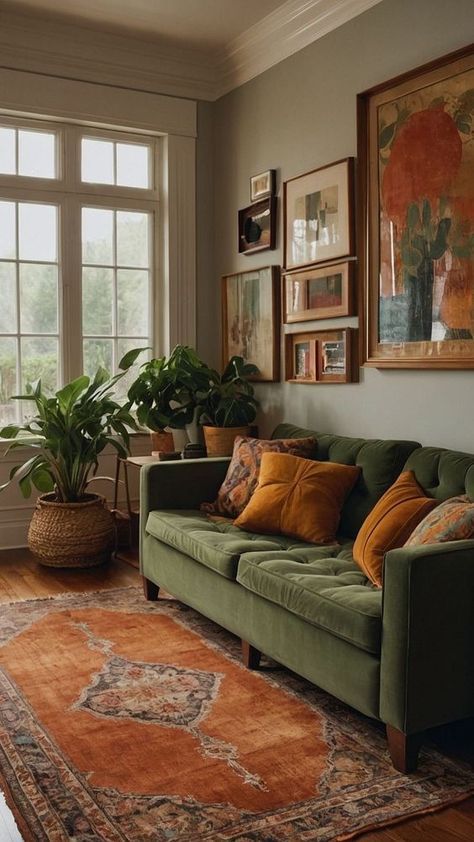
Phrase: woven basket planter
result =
(71, 534)
(220, 440)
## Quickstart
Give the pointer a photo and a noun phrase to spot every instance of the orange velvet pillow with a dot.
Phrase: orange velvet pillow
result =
(298, 497)
(390, 523)
(242, 474)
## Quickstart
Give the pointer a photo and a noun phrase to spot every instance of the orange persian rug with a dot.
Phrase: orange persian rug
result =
(128, 721)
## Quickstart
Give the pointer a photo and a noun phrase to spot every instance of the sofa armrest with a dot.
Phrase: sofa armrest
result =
(427, 662)
(180, 485)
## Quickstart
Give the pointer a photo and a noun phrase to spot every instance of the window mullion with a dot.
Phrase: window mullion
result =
(71, 326)
(18, 314)
(114, 293)
(17, 152)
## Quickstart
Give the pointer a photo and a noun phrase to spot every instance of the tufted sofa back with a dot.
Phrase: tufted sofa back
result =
(381, 461)
(443, 473)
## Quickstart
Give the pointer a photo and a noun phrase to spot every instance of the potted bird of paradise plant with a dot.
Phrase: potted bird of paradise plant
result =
(71, 527)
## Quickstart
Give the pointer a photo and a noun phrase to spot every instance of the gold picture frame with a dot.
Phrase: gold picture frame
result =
(323, 356)
(251, 320)
(262, 185)
(318, 215)
(416, 249)
(322, 292)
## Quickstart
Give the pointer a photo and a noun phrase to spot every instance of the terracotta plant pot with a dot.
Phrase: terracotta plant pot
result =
(220, 440)
(71, 534)
(162, 441)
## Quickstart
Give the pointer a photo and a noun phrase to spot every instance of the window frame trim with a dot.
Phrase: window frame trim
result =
(70, 194)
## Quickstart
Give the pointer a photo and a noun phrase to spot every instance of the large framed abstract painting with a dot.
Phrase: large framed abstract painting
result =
(416, 166)
(251, 319)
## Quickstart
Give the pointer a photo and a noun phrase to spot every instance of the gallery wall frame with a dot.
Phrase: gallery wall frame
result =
(251, 319)
(262, 185)
(318, 212)
(320, 292)
(323, 356)
(416, 225)
(257, 226)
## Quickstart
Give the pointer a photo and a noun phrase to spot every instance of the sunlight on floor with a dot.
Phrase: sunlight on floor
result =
(8, 829)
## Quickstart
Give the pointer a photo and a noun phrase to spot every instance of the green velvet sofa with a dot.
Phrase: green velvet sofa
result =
(403, 654)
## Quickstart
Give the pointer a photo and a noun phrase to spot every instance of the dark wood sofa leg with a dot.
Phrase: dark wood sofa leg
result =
(150, 589)
(250, 656)
(403, 749)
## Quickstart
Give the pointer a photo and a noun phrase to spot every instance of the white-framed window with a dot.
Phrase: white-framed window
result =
(78, 251)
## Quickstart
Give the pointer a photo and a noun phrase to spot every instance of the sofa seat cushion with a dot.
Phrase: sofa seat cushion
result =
(328, 591)
(216, 543)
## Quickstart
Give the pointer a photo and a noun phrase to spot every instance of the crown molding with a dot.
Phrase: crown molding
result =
(50, 46)
(45, 45)
(283, 32)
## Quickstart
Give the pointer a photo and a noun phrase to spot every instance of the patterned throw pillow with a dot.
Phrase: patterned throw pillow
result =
(244, 469)
(453, 520)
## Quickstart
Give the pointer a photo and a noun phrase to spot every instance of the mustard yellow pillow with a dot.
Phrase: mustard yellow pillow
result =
(244, 469)
(390, 523)
(298, 497)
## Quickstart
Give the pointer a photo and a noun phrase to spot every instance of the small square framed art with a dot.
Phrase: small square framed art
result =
(262, 185)
(257, 226)
(326, 356)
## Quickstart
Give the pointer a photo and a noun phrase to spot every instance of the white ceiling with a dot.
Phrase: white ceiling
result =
(200, 24)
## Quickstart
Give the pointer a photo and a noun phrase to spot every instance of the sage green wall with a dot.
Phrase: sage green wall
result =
(299, 115)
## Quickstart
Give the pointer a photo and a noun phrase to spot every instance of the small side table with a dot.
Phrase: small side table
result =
(127, 522)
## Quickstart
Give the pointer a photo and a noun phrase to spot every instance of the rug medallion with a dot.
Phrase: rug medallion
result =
(128, 721)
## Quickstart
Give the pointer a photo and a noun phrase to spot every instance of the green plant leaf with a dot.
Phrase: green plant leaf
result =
(42, 480)
(130, 358)
(26, 397)
(70, 393)
(10, 431)
(249, 369)
(101, 376)
(25, 486)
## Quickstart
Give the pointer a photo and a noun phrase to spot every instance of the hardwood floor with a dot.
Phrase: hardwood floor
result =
(22, 578)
